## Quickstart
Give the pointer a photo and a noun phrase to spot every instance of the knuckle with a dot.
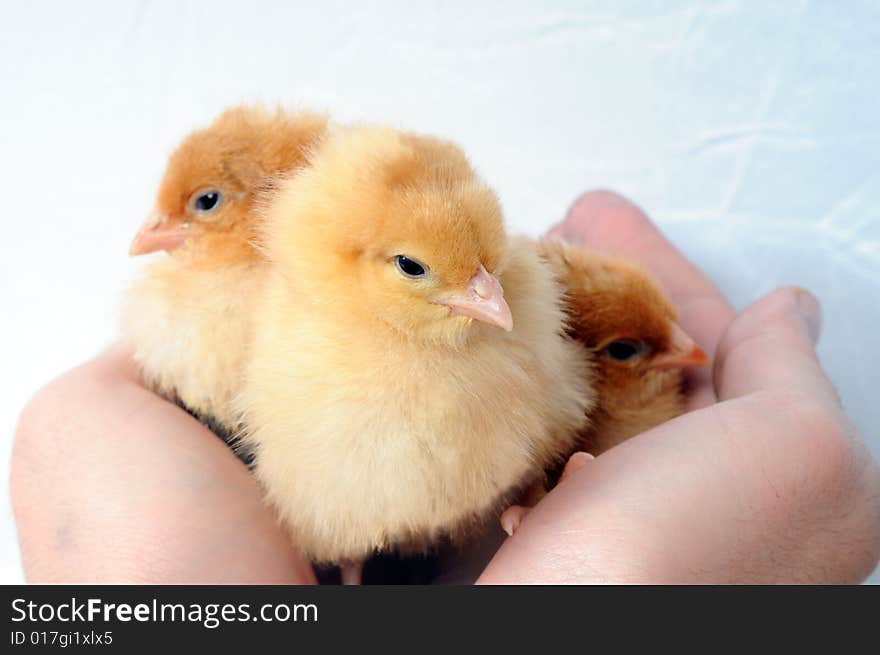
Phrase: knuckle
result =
(29, 430)
(834, 482)
(822, 433)
(44, 424)
(29, 442)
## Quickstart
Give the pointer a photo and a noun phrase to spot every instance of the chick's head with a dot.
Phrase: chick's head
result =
(620, 313)
(396, 228)
(205, 203)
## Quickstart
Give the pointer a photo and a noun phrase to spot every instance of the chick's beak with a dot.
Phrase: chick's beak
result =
(682, 352)
(159, 232)
(483, 300)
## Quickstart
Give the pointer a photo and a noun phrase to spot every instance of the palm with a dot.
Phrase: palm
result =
(131, 488)
(721, 493)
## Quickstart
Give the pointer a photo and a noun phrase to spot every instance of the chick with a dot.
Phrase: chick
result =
(409, 369)
(616, 309)
(213, 180)
(187, 316)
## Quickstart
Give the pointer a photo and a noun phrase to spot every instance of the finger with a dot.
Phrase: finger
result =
(97, 454)
(771, 346)
(610, 223)
(512, 517)
(575, 463)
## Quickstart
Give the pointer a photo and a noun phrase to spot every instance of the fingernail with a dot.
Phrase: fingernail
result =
(811, 311)
(507, 525)
(582, 456)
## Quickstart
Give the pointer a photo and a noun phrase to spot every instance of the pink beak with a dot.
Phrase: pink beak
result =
(682, 352)
(159, 232)
(483, 300)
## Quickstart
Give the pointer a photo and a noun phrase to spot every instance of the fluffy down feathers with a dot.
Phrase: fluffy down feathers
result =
(190, 329)
(380, 418)
(188, 317)
(613, 302)
(238, 155)
(619, 313)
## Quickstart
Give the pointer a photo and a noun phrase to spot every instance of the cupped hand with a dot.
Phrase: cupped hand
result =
(763, 480)
(110, 483)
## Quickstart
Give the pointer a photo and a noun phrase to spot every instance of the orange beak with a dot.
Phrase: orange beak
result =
(682, 352)
(483, 300)
(159, 232)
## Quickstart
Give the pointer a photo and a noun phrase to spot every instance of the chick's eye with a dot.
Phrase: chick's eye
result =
(624, 350)
(409, 267)
(207, 201)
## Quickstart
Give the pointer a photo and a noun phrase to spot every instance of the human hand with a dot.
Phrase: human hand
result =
(110, 483)
(764, 480)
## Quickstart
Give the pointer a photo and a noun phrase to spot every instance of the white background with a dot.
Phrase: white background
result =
(749, 130)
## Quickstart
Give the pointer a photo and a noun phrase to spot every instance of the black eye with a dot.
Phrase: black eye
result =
(207, 201)
(409, 267)
(624, 349)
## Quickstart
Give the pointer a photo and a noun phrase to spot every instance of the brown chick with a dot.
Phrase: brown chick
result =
(409, 368)
(214, 179)
(187, 316)
(620, 313)
(616, 309)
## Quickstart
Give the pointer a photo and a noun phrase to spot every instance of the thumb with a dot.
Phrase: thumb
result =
(771, 345)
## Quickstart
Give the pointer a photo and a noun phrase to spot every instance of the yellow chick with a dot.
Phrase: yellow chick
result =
(408, 370)
(187, 317)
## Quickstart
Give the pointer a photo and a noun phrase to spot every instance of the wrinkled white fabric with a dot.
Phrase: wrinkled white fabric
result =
(750, 131)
